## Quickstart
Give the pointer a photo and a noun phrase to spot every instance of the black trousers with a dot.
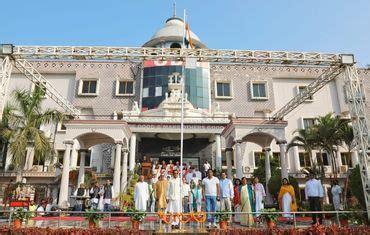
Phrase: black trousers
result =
(315, 205)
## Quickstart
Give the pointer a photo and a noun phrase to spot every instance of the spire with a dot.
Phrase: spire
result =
(174, 9)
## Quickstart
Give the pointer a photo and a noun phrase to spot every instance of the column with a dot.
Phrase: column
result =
(74, 157)
(283, 162)
(29, 158)
(229, 155)
(267, 151)
(132, 152)
(296, 158)
(354, 155)
(63, 193)
(339, 160)
(218, 153)
(124, 171)
(239, 159)
(81, 172)
(117, 168)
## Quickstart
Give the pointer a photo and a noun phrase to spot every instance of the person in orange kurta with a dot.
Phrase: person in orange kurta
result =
(161, 188)
(287, 201)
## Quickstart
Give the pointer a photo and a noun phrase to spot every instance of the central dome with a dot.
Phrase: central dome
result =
(172, 32)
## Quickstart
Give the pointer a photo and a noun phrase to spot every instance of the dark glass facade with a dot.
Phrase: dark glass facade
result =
(155, 84)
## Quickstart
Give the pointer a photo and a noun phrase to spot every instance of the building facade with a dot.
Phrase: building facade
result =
(132, 109)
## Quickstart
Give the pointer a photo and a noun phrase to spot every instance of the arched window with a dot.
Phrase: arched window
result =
(175, 45)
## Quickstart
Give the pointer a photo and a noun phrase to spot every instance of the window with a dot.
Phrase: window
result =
(308, 122)
(324, 160)
(87, 158)
(223, 89)
(300, 89)
(124, 88)
(304, 160)
(259, 90)
(61, 127)
(258, 158)
(88, 87)
(60, 156)
(346, 159)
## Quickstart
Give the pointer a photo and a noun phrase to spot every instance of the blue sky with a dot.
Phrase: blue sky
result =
(341, 26)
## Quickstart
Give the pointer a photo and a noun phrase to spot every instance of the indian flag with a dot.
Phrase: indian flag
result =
(187, 38)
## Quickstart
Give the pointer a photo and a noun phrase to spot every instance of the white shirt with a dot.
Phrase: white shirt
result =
(210, 186)
(40, 209)
(173, 192)
(314, 188)
(206, 166)
(185, 190)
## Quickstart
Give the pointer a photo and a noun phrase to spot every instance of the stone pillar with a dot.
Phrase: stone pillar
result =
(339, 160)
(296, 158)
(124, 171)
(132, 152)
(117, 169)
(354, 155)
(267, 151)
(63, 193)
(229, 155)
(29, 158)
(239, 159)
(218, 153)
(74, 156)
(283, 160)
(54, 194)
(81, 172)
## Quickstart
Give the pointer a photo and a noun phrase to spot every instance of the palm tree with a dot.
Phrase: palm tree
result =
(23, 120)
(305, 139)
(328, 136)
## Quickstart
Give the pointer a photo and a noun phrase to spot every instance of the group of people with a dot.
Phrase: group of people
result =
(174, 195)
(99, 197)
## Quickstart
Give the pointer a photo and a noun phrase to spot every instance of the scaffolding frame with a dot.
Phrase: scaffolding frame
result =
(334, 64)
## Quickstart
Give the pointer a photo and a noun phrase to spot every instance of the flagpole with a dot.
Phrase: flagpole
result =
(182, 116)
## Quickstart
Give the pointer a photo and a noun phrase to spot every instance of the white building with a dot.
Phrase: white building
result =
(131, 109)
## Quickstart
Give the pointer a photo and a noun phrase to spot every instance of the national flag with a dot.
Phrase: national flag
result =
(187, 38)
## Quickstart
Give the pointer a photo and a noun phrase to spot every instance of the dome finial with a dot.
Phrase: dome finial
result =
(174, 9)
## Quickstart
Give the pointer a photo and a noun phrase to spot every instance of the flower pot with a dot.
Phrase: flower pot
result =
(343, 222)
(92, 224)
(135, 224)
(270, 224)
(17, 223)
(223, 225)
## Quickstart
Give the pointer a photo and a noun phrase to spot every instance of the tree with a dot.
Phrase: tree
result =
(355, 183)
(23, 127)
(327, 131)
(305, 139)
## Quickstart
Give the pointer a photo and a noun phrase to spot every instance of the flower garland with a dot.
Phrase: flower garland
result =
(167, 218)
(199, 217)
(184, 218)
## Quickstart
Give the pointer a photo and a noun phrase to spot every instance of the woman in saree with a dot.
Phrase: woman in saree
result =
(245, 204)
(237, 186)
(287, 202)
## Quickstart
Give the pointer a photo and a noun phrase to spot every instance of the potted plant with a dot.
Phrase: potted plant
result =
(343, 219)
(93, 217)
(136, 217)
(223, 218)
(270, 218)
(18, 216)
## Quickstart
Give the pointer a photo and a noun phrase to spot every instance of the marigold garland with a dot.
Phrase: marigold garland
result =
(199, 217)
(187, 217)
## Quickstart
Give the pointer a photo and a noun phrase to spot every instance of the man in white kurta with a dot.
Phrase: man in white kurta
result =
(174, 197)
(141, 194)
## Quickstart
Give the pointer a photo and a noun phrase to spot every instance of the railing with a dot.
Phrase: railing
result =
(67, 219)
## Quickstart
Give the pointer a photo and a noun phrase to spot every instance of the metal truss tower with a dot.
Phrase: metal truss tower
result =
(335, 65)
